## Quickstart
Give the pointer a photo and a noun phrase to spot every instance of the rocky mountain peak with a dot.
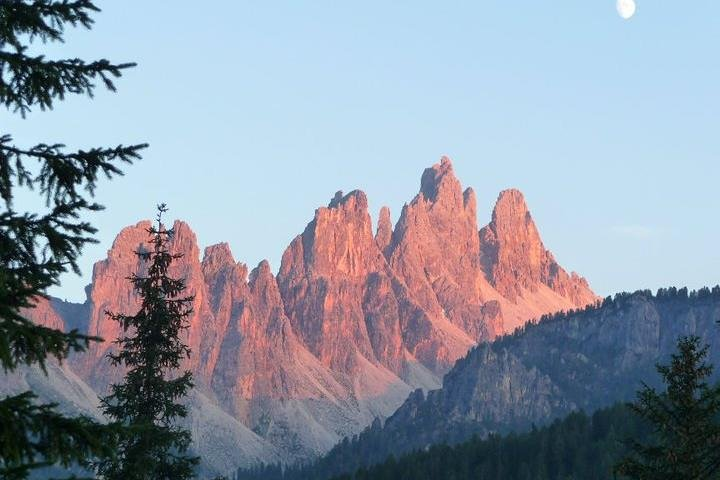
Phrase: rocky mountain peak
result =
(217, 255)
(337, 241)
(262, 282)
(515, 260)
(185, 241)
(224, 278)
(355, 200)
(512, 250)
(383, 235)
(510, 206)
(439, 183)
(126, 242)
(435, 250)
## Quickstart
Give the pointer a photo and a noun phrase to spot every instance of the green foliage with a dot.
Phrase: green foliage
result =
(36, 248)
(151, 348)
(56, 439)
(686, 444)
(577, 447)
(34, 80)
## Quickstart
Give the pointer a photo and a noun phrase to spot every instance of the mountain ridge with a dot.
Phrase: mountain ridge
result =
(355, 319)
(582, 360)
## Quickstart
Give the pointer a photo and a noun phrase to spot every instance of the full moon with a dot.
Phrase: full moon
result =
(626, 8)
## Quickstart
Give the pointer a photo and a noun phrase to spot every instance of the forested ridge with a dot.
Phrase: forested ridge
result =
(580, 446)
(587, 359)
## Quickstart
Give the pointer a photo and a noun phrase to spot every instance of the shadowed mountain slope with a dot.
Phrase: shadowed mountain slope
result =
(587, 359)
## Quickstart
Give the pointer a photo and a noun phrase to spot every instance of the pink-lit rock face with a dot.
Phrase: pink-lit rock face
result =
(337, 289)
(111, 291)
(225, 281)
(383, 235)
(260, 354)
(43, 313)
(516, 263)
(353, 321)
(435, 250)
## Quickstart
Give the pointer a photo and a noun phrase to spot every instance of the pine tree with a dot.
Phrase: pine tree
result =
(152, 351)
(685, 420)
(36, 248)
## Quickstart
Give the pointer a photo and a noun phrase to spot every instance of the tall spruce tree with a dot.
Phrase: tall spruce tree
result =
(152, 351)
(37, 247)
(685, 419)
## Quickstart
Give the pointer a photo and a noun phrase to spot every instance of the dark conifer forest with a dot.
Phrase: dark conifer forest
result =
(580, 446)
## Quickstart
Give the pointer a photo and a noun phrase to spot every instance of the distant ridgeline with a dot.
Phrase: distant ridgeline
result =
(579, 446)
(579, 360)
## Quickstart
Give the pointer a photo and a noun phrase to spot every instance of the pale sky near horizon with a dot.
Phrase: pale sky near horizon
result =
(257, 112)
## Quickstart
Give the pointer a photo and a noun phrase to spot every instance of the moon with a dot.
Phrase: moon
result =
(626, 8)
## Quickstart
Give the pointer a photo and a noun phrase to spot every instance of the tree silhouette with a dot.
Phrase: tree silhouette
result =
(685, 421)
(152, 350)
(37, 247)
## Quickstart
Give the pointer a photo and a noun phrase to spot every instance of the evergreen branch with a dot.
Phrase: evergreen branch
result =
(26, 81)
(35, 249)
(61, 173)
(23, 342)
(43, 19)
(36, 436)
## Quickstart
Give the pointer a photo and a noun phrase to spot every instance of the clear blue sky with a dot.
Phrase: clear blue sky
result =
(257, 112)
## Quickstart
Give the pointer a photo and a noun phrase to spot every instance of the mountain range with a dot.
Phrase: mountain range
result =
(354, 321)
(582, 360)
